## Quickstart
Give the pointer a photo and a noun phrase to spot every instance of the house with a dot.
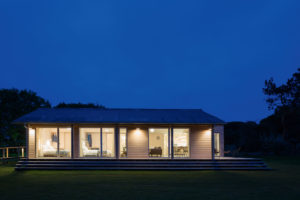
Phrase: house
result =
(121, 137)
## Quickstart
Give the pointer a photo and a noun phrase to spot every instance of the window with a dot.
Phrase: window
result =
(108, 142)
(97, 142)
(159, 142)
(123, 142)
(53, 142)
(217, 144)
(65, 142)
(181, 144)
(90, 142)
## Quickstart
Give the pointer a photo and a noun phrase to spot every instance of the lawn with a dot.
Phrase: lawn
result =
(281, 183)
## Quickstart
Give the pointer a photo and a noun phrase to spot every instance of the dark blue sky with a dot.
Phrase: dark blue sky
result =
(213, 55)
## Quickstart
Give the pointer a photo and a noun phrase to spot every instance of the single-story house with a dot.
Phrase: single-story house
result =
(121, 138)
(123, 133)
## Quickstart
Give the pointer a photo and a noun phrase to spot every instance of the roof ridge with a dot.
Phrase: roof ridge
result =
(131, 108)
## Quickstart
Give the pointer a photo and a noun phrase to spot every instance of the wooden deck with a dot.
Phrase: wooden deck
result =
(142, 164)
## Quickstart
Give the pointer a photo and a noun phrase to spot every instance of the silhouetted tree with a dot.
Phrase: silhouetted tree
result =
(242, 135)
(285, 95)
(13, 104)
(78, 105)
(285, 101)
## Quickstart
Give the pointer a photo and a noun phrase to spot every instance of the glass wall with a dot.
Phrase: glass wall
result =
(97, 142)
(217, 144)
(123, 142)
(90, 142)
(53, 142)
(159, 142)
(108, 142)
(65, 142)
(181, 144)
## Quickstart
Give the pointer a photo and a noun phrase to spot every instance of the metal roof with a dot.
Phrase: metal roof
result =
(96, 115)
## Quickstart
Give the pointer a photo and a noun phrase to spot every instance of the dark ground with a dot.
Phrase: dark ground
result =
(281, 183)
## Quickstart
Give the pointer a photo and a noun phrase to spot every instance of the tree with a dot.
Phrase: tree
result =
(286, 95)
(13, 104)
(285, 100)
(79, 105)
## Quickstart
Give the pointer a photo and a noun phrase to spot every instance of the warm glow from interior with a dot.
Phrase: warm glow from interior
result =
(31, 131)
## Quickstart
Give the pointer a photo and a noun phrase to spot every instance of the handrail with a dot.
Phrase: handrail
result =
(5, 152)
(12, 147)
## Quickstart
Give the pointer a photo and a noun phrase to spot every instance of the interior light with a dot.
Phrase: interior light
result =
(31, 131)
(138, 131)
(151, 130)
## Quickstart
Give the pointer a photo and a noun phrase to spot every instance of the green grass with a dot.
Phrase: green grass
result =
(281, 183)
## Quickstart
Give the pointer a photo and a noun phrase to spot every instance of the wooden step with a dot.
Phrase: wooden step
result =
(141, 164)
(139, 168)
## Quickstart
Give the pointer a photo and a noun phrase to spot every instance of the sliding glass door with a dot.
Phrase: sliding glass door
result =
(97, 142)
(181, 142)
(123, 143)
(53, 142)
(108, 142)
(159, 142)
(90, 142)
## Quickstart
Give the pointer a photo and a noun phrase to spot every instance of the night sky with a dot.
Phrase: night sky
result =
(213, 55)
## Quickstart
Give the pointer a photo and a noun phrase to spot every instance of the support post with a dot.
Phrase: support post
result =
(6, 152)
(101, 143)
(72, 141)
(27, 140)
(22, 152)
(117, 145)
(58, 142)
(172, 143)
(212, 142)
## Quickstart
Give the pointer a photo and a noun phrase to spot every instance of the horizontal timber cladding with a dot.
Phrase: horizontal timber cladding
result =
(137, 138)
(220, 129)
(200, 139)
(31, 143)
(137, 143)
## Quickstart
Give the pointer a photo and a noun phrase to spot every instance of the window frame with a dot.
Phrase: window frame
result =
(189, 140)
(169, 150)
(126, 143)
(101, 142)
(219, 144)
(58, 143)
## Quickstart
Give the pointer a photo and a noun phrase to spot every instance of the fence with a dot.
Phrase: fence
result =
(12, 152)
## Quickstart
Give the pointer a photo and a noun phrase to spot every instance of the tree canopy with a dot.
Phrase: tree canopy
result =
(285, 95)
(13, 104)
(79, 105)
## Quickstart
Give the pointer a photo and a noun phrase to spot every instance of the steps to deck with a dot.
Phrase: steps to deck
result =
(135, 164)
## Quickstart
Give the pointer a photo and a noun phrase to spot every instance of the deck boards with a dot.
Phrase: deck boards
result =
(141, 164)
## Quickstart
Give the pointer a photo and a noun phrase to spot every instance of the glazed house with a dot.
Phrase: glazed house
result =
(89, 133)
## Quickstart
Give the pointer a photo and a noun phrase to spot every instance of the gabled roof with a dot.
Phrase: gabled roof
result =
(96, 115)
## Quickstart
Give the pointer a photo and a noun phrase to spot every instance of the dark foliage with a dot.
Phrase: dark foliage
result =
(278, 133)
(243, 136)
(78, 105)
(285, 95)
(13, 104)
